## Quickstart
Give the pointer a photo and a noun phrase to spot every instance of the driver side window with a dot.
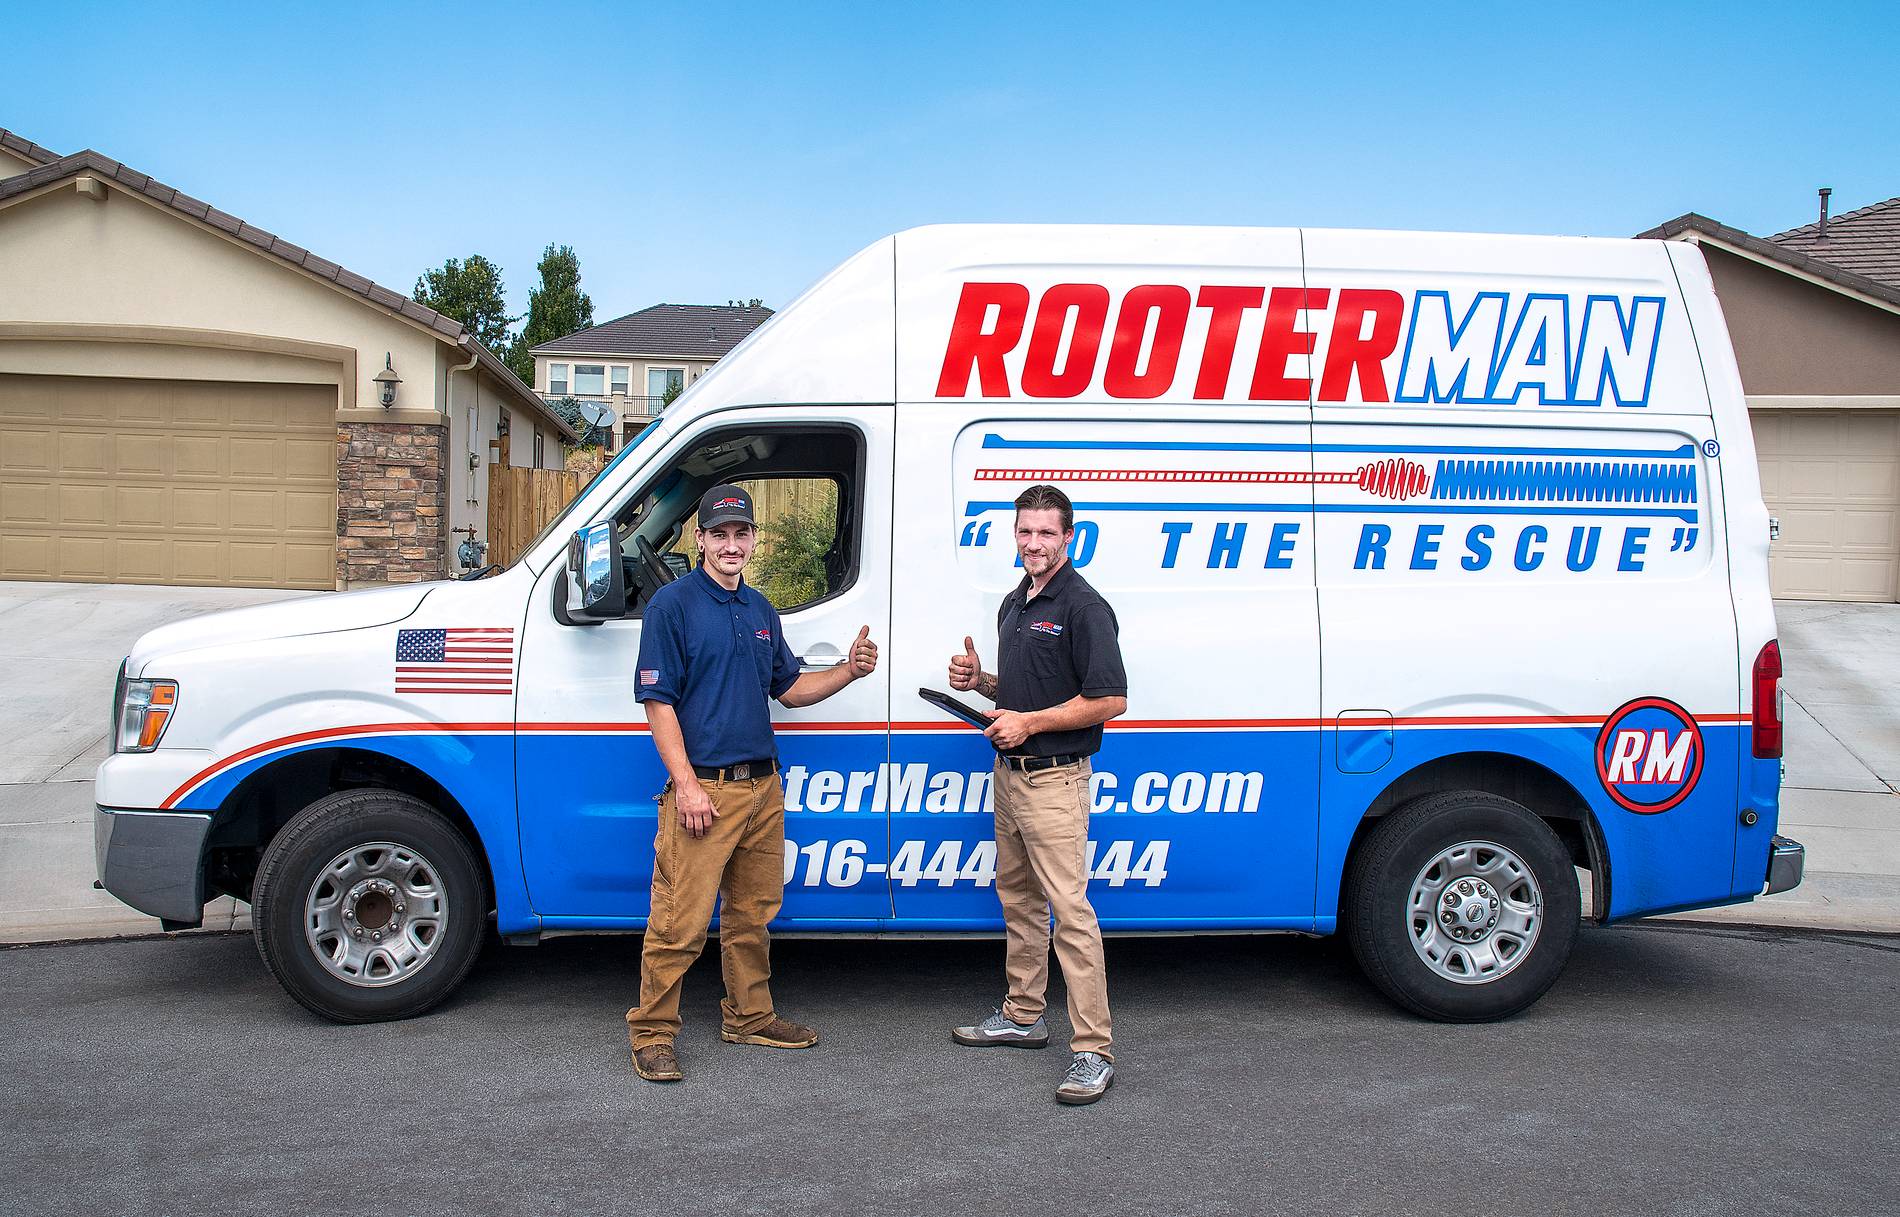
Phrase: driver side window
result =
(798, 559)
(806, 486)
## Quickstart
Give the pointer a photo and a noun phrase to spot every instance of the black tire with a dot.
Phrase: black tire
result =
(297, 857)
(1383, 928)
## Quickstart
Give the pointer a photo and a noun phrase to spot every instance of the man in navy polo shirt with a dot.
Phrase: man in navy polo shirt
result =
(711, 652)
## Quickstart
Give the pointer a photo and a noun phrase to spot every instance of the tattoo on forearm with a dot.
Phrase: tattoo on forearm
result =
(986, 685)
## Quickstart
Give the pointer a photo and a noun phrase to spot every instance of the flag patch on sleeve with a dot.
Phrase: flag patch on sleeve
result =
(649, 676)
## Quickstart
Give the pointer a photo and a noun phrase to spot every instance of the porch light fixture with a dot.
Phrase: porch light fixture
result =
(388, 380)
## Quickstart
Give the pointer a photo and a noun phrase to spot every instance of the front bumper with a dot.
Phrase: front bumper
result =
(1786, 859)
(153, 860)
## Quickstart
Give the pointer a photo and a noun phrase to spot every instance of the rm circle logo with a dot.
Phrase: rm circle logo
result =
(1649, 755)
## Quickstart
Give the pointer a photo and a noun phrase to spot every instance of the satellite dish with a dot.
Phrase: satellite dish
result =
(596, 413)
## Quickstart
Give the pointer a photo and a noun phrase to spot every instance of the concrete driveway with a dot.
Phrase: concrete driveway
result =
(60, 646)
(1842, 711)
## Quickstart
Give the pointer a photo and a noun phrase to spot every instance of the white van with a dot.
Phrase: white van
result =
(1440, 560)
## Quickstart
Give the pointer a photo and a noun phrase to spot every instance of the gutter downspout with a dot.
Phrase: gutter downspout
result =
(468, 466)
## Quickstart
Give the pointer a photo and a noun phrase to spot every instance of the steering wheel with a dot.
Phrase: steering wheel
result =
(658, 573)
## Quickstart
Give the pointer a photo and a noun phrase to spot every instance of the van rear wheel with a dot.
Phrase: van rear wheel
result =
(369, 906)
(1462, 907)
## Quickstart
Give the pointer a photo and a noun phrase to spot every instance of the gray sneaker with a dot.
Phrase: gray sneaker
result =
(999, 1030)
(1089, 1077)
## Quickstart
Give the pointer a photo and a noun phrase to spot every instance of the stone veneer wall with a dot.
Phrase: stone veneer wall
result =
(392, 488)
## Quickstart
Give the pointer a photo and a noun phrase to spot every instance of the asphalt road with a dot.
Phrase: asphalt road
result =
(1674, 1070)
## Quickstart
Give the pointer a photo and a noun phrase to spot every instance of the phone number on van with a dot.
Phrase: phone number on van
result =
(844, 863)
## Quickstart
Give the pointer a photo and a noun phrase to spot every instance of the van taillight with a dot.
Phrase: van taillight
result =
(1767, 712)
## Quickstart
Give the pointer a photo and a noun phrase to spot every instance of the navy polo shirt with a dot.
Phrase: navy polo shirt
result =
(715, 656)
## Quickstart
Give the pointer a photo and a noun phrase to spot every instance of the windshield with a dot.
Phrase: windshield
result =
(592, 482)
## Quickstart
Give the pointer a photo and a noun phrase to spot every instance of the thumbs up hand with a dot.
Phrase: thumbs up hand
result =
(965, 669)
(863, 654)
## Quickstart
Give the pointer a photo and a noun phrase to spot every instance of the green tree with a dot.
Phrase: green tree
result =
(471, 293)
(788, 567)
(556, 308)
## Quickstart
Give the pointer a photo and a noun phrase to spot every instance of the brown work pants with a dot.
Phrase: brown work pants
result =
(740, 863)
(1042, 839)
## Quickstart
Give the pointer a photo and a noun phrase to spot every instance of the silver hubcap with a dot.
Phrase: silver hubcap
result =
(1475, 912)
(375, 914)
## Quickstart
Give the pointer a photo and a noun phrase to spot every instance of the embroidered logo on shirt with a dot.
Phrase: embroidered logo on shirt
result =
(762, 635)
(649, 676)
(1046, 627)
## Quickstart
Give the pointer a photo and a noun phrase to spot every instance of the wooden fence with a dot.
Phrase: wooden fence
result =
(520, 504)
(522, 501)
(773, 499)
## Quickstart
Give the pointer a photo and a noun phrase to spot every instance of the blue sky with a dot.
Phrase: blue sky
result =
(702, 152)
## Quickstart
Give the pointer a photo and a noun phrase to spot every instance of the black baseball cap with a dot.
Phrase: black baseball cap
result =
(725, 505)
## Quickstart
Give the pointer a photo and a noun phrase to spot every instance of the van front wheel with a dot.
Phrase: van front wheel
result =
(368, 906)
(1462, 907)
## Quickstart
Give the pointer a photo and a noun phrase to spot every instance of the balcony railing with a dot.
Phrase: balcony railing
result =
(631, 413)
(634, 403)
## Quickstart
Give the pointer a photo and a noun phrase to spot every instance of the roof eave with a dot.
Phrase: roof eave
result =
(442, 328)
(26, 149)
(1700, 228)
(515, 386)
(631, 354)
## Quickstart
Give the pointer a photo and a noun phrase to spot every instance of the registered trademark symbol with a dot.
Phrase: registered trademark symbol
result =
(1711, 448)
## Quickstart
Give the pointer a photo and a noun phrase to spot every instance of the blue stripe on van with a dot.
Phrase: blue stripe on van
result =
(571, 817)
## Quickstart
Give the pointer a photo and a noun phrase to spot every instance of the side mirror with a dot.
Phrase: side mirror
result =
(595, 589)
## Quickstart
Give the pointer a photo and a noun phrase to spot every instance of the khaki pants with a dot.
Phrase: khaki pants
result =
(741, 863)
(1042, 834)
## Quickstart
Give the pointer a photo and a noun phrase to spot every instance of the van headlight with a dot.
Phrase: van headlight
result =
(145, 707)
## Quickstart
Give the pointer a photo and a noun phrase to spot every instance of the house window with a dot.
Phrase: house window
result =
(659, 380)
(590, 379)
(557, 379)
(537, 449)
(620, 380)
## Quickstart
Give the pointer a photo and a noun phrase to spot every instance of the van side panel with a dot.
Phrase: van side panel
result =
(1196, 532)
(1152, 374)
(1525, 553)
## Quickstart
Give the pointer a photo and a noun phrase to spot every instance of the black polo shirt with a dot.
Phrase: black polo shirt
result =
(1062, 643)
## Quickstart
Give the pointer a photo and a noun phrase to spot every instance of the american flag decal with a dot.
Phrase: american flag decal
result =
(456, 660)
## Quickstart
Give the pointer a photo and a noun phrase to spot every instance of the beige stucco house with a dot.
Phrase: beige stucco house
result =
(1815, 316)
(185, 398)
(631, 362)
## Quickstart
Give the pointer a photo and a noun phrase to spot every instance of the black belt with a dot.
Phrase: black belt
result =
(743, 771)
(1034, 764)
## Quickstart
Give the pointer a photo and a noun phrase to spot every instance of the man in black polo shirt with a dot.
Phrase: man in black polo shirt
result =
(711, 651)
(1059, 677)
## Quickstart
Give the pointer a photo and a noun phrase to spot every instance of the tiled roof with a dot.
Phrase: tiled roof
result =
(1888, 293)
(671, 331)
(447, 328)
(1865, 241)
(25, 148)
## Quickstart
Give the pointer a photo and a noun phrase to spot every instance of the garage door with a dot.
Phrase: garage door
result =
(157, 481)
(1833, 478)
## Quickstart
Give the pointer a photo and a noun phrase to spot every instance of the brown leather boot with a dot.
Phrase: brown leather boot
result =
(776, 1034)
(656, 1063)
